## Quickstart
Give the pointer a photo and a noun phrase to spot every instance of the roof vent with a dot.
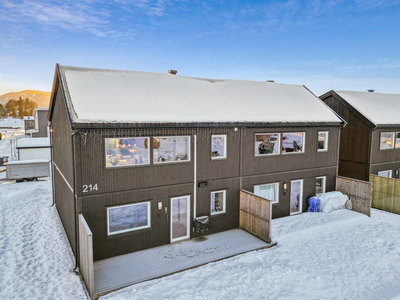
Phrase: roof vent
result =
(172, 72)
(371, 91)
(270, 81)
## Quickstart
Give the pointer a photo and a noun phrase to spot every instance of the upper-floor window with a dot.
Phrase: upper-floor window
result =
(397, 141)
(387, 140)
(268, 191)
(171, 149)
(218, 146)
(127, 151)
(322, 140)
(267, 143)
(293, 142)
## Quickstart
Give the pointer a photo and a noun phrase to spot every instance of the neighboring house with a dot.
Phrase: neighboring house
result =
(141, 155)
(29, 123)
(41, 123)
(370, 143)
(34, 148)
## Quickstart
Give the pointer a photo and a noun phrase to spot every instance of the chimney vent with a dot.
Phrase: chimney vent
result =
(371, 91)
(172, 72)
(270, 81)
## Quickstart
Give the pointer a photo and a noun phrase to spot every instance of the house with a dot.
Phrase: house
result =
(141, 155)
(370, 143)
(29, 123)
(41, 123)
(34, 148)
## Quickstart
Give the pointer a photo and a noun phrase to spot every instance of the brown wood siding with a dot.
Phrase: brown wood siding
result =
(354, 141)
(42, 124)
(386, 155)
(394, 166)
(282, 209)
(311, 158)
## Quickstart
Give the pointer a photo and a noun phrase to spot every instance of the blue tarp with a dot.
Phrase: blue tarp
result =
(313, 204)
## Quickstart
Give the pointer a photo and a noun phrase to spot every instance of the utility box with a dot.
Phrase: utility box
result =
(202, 224)
(28, 169)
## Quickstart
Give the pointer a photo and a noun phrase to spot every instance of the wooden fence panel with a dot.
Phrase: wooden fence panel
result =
(386, 193)
(86, 254)
(255, 215)
(358, 191)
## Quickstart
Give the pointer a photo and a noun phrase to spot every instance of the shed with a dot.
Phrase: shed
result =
(33, 148)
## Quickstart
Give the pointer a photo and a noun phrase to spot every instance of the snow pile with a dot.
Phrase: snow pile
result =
(35, 259)
(332, 201)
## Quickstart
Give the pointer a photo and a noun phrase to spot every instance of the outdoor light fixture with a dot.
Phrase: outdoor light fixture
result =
(284, 188)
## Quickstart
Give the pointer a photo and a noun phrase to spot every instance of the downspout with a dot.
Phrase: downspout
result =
(74, 194)
(52, 163)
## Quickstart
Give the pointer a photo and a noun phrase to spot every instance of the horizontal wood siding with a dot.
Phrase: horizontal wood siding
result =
(359, 192)
(386, 193)
(255, 215)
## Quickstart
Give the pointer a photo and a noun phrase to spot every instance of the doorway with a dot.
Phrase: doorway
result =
(180, 218)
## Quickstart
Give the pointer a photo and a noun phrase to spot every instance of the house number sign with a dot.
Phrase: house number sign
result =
(90, 188)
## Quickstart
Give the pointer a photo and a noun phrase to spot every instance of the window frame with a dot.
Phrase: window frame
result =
(125, 166)
(276, 191)
(225, 146)
(390, 173)
(224, 203)
(279, 138)
(173, 161)
(129, 229)
(325, 149)
(393, 140)
(304, 143)
(324, 182)
(301, 197)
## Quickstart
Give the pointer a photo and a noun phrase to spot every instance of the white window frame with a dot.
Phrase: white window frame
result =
(324, 184)
(276, 191)
(225, 147)
(389, 172)
(325, 141)
(278, 141)
(304, 143)
(301, 197)
(124, 166)
(130, 229)
(397, 132)
(393, 140)
(224, 201)
(173, 161)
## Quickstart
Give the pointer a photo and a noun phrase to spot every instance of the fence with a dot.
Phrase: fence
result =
(386, 193)
(86, 255)
(358, 191)
(255, 215)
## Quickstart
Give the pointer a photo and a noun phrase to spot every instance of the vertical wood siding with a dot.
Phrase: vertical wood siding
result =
(86, 255)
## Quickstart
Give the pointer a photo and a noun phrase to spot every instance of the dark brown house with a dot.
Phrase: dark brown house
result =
(370, 143)
(29, 123)
(141, 155)
(40, 128)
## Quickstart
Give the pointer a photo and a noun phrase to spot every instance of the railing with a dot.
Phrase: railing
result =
(358, 191)
(386, 193)
(86, 255)
(255, 215)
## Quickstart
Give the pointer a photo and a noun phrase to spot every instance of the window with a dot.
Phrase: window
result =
(218, 146)
(128, 218)
(293, 142)
(323, 141)
(397, 141)
(127, 151)
(267, 143)
(387, 173)
(387, 140)
(320, 185)
(268, 191)
(171, 149)
(218, 202)
(296, 196)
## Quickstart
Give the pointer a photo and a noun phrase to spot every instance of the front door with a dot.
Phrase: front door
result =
(296, 196)
(180, 218)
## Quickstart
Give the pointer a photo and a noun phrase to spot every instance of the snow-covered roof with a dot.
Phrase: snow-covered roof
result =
(31, 161)
(113, 96)
(379, 108)
(33, 142)
(29, 118)
(32, 131)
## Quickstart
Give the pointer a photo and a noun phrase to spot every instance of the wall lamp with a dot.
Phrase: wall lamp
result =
(284, 188)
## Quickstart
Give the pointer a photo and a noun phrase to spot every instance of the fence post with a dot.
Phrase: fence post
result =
(86, 254)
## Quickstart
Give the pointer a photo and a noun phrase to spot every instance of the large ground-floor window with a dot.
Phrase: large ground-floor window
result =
(126, 218)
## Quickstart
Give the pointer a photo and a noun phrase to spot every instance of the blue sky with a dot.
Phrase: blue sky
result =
(351, 45)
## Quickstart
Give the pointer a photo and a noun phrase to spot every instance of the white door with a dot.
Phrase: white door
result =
(296, 196)
(180, 218)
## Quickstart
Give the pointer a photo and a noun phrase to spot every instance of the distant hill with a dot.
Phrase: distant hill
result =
(41, 98)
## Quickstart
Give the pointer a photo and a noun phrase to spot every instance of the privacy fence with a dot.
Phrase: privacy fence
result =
(386, 193)
(255, 215)
(86, 255)
(358, 191)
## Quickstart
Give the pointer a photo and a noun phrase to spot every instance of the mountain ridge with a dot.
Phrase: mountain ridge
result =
(41, 98)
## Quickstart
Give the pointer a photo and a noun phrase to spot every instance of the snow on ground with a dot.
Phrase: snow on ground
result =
(340, 255)
(35, 259)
